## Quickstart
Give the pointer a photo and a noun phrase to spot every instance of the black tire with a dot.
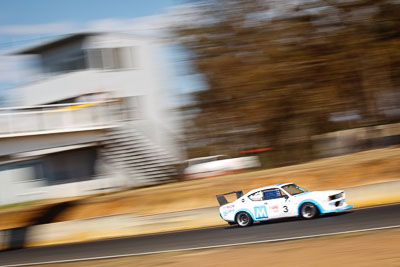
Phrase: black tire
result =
(244, 219)
(309, 211)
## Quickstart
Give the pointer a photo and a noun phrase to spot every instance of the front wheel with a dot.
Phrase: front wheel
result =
(309, 211)
(243, 219)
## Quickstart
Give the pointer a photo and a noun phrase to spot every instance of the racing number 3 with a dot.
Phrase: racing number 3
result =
(285, 209)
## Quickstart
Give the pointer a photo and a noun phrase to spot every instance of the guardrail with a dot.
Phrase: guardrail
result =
(71, 116)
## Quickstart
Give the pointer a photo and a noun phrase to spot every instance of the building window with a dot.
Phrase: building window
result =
(31, 171)
(95, 59)
(112, 58)
(65, 62)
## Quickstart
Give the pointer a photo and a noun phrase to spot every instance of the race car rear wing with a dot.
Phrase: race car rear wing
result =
(222, 200)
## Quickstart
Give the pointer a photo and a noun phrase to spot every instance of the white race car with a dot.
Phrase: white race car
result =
(279, 201)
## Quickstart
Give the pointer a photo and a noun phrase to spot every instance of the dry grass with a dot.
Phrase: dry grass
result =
(345, 171)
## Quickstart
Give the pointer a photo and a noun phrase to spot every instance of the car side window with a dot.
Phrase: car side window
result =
(257, 196)
(273, 194)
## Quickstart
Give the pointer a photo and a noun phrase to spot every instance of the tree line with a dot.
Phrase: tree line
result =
(278, 73)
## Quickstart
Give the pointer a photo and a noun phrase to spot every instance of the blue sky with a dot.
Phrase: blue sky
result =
(43, 11)
(19, 18)
(25, 22)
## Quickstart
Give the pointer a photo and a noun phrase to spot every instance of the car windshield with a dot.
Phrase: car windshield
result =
(293, 189)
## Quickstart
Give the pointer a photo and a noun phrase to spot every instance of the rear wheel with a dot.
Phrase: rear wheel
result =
(309, 211)
(243, 219)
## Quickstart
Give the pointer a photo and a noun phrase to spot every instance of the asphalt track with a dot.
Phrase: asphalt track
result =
(376, 217)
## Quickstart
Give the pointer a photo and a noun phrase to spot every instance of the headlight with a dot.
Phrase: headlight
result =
(333, 197)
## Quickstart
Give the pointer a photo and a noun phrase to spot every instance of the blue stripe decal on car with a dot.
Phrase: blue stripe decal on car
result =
(245, 210)
(321, 209)
(300, 194)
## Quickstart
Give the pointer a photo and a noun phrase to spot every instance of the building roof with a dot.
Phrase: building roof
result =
(68, 38)
(64, 39)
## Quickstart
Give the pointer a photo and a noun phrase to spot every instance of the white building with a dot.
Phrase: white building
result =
(96, 116)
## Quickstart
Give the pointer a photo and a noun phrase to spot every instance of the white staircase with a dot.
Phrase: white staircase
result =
(137, 157)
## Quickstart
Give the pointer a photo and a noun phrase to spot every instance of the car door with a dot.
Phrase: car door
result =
(277, 203)
(257, 206)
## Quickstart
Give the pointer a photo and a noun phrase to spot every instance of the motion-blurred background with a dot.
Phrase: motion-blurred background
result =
(98, 98)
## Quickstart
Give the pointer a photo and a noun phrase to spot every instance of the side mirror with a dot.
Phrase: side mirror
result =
(286, 197)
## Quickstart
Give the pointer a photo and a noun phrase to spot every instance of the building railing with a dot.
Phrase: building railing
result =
(60, 117)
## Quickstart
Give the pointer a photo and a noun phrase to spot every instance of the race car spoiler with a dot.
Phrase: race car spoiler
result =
(222, 200)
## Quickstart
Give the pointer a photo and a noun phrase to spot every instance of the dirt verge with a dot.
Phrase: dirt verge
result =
(351, 170)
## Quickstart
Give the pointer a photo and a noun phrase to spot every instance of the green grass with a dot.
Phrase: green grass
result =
(13, 206)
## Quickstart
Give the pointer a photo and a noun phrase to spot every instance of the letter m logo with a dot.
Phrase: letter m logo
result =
(260, 212)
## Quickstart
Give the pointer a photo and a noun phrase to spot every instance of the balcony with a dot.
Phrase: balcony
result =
(33, 120)
(32, 128)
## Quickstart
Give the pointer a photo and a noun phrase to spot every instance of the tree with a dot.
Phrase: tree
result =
(277, 72)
